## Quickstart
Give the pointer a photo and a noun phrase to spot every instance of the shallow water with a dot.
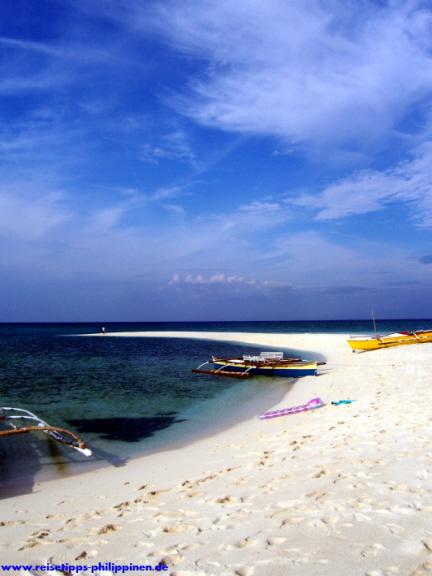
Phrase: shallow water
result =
(129, 396)
(124, 396)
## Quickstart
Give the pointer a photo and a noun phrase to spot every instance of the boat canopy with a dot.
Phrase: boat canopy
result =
(264, 356)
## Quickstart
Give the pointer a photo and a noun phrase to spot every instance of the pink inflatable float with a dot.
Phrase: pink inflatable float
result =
(311, 405)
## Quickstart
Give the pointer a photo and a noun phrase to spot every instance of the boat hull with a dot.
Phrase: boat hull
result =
(287, 371)
(398, 339)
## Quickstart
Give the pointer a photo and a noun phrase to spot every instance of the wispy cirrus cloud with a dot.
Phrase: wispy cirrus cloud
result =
(63, 51)
(410, 182)
(89, 52)
(172, 146)
(35, 82)
(34, 66)
(257, 206)
(255, 215)
(33, 137)
(343, 73)
(31, 218)
(116, 169)
(315, 260)
(31, 46)
(343, 79)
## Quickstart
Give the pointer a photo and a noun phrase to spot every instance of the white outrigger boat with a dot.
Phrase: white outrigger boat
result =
(266, 364)
(20, 421)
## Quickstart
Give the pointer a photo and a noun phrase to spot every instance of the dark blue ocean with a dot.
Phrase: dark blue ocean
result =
(130, 396)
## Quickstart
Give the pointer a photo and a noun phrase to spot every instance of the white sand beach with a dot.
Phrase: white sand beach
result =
(341, 490)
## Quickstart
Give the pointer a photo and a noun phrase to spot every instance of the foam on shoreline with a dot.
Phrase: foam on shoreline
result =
(343, 489)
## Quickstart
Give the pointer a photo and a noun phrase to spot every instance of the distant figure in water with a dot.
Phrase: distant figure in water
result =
(103, 330)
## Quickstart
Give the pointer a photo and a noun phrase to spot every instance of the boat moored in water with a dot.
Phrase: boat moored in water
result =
(266, 364)
(375, 342)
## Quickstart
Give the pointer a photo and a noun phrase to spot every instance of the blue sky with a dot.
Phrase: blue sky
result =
(215, 160)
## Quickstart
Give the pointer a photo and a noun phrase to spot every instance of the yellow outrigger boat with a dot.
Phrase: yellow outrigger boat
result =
(363, 343)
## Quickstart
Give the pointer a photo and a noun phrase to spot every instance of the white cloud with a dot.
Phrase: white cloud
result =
(261, 207)
(176, 209)
(222, 279)
(48, 237)
(172, 146)
(30, 219)
(255, 215)
(109, 217)
(28, 45)
(303, 71)
(29, 138)
(167, 192)
(368, 191)
(90, 52)
(36, 82)
(218, 278)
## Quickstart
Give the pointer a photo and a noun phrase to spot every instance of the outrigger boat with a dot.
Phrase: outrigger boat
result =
(266, 364)
(19, 421)
(363, 343)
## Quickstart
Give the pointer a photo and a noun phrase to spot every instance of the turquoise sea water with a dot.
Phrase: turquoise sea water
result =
(129, 396)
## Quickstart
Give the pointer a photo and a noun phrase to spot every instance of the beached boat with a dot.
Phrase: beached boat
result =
(266, 364)
(375, 342)
(19, 421)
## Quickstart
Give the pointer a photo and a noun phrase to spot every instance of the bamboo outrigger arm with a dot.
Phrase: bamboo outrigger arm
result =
(61, 435)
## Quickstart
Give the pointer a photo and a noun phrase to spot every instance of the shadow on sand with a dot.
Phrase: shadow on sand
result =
(23, 459)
